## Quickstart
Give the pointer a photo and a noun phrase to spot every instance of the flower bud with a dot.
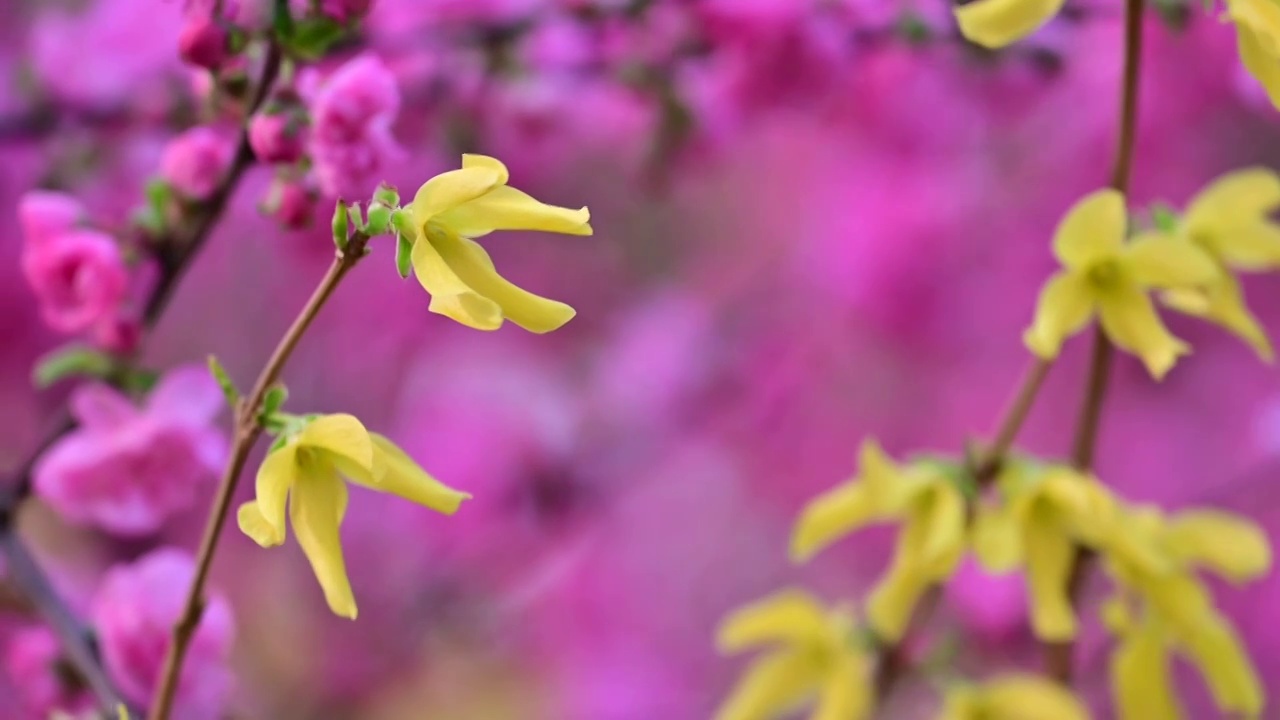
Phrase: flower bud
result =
(204, 42)
(291, 203)
(195, 162)
(278, 137)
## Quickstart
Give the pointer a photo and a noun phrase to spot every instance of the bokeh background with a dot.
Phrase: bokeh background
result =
(815, 221)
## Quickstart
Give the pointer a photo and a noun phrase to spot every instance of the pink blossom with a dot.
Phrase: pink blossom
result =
(204, 42)
(134, 612)
(31, 659)
(126, 469)
(77, 274)
(351, 140)
(278, 137)
(992, 607)
(292, 204)
(346, 10)
(196, 161)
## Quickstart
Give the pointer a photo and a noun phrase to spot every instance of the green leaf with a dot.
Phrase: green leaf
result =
(282, 20)
(313, 36)
(229, 390)
(404, 255)
(274, 400)
(379, 219)
(71, 361)
(341, 226)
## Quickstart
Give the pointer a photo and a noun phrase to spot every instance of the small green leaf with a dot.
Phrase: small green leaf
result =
(404, 255)
(379, 219)
(313, 36)
(229, 390)
(341, 226)
(282, 20)
(71, 361)
(387, 195)
(274, 400)
(1164, 217)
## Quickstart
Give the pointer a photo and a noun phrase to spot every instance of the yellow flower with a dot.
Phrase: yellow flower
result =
(455, 206)
(1013, 697)
(304, 473)
(930, 541)
(816, 659)
(1153, 559)
(996, 23)
(1103, 274)
(1258, 40)
(1040, 519)
(1230, 221)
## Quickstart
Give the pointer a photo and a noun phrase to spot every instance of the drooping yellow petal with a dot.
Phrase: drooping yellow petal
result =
(997, 23)
(341, 435)
(1226, 543)
(399, 475)
(942, 514)
(1260, 63)
(790, 616)
(773, 685)
(1092, 230)
(506, 208)
(1131, 322)
(1166, 261)
(846, 692)
(316, 508)
(470, 160)
(1247, 194)
(1049, 557)
(474, 267)
(450, 295)
(997, 538)
(893, 600)
(1141, 684)
(1064, 308)
(449, 190)
(1220, 656)
(277, 474)
(1222, 302)
(254, 524)
(1027, 697)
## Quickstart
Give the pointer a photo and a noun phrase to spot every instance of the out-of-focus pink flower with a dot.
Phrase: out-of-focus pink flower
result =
(204, 42)
(195, 162)
(992, 607)
(346, 10)
(119, 334)
(126, 469)
(351, 140)
(292, 204)
(78, 274)
(31, 659)
(278, 137)
(134, 612)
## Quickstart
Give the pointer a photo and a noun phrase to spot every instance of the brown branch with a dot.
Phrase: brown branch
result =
(248, 428)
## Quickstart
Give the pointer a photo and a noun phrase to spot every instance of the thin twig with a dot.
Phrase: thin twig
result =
(248, 430)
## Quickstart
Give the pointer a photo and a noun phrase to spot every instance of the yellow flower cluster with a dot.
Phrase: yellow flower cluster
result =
(1226, 228)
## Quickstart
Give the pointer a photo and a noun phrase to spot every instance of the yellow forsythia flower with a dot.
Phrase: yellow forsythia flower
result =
(1258, 40)
(996, 23)
(305, 472)
(1041, 517)
(1153, 559)
(1103, 274)
(930, 541)
(1230, 220)
(816, 658)
(455, 206)
(1013, 697)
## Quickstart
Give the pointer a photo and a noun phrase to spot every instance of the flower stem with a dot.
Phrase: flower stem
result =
(248, 428)
(1057, 655)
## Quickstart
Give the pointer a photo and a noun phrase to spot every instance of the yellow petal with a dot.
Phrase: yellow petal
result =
(1166, 261)
(1049, 557)
(277, 474)
(1226, 216)
(1065, 306)
(788, 616)
(398, 474)
(1130, 320)
(341, 435)
(254, 524)
(996, 23)
(316, 508)
(1092, 230)
(506, 208)
(450, 189)
(831, 516)
(943, 520)
(846, 693)
(450, 296)
(893, 600)
(1260, 63)
(962, 701)
(474, 267)
(1222, 302)
(997, 538)
(1027, 697)
(1217, 651)
(1140, 681)
(1226, 543)
(773, 685)
(484, 161)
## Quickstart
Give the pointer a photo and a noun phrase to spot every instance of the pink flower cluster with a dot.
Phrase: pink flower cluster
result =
(134, 611)
(127, 469)
(31, 660)
(352, 114)
(195, 162)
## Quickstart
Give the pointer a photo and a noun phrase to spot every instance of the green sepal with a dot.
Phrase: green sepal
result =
(72, 361)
